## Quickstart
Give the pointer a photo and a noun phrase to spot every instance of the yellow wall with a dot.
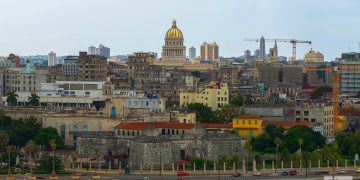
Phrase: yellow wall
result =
(211, 96)
(187, 117)
(247, 128)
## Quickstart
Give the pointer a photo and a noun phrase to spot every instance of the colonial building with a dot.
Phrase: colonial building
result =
(313, 56)
(216, 94)
(167, 143)
(174, 50)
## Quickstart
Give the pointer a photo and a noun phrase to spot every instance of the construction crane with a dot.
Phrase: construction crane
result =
(292, 41)
(338, 123)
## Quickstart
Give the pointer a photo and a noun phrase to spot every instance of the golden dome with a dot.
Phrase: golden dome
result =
(174, 32)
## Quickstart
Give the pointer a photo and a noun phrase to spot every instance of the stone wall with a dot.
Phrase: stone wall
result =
(151, 150)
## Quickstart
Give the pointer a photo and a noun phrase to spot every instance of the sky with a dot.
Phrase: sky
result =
(31, 27)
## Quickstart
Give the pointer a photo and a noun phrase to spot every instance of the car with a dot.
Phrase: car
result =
(357, 170)
(257, 173)
(292, 172)
(182, 173)
(285, 173)
(146, 178)
(342, 171)
(236, 175)
(317, 172)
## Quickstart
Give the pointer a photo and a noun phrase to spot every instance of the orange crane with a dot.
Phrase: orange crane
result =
(292, 41)
(339, 124)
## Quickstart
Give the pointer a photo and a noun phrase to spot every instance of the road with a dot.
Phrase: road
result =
(174, 177)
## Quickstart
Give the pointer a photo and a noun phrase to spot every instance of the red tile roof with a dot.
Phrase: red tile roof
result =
(286, 124)
(248, 117)
(139, 126)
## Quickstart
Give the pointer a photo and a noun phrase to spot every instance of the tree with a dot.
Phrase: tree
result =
(2, 117)
(74, 158)
(226, 113)
(274, 131)
(52, 145)
(285, 154)
(203, 113)
(46, 165)
(21, 131)
(30, 150)
(9, 148)
(277, 142)
(45, 135)
(11, 98)
(300, 142)
(4, 139)
(34, 99)
(242, 100)
(314, 140)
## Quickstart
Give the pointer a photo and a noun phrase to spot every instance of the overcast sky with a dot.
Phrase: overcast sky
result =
(29, 27)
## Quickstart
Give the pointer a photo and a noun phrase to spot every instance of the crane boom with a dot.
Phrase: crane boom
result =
(292, 41)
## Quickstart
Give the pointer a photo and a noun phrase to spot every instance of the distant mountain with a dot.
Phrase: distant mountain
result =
(121, 57)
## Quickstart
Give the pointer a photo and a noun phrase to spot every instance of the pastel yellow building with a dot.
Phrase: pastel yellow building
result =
(214, 95)
(247, 126)
(313, 56)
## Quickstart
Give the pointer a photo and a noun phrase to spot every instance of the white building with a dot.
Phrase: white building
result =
(52, 61)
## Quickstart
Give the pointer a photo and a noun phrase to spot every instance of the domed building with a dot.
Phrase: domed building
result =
(313, 56)
(173, 51)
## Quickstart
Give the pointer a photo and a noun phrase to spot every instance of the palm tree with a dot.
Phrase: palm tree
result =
(4, 139)
(277, 142)
(97, 155)
(34, 99)
(300, 142)
(74, 158)
(9, 148)
(11, 98)
(30, 148)
(52, 144)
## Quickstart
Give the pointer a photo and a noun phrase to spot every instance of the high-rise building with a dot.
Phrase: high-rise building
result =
(192, 52)
(92, 67)
(247, 53)
(262, 49)
(104, 51)
(350, 73)
(209, 52)
(92, 50)
(52, 59)
(257, 53)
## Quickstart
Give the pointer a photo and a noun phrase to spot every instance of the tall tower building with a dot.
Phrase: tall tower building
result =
(173, 51)
(209, 52)
(273, 55)
(192, 52)
(104, 51)
(257, 53)
(92, 67)
(52, 59)
(92, 50)
(262, 48)
(247, 53)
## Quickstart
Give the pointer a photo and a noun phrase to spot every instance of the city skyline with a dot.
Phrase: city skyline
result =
(227, 24)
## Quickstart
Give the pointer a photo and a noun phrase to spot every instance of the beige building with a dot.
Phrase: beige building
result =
(209, 52)
(214, 95)
(273, 55)
(318, 114)
(183, 117)
(174, 50)
(19, 80)
(70, 125)
(92, 67)
(313, 56)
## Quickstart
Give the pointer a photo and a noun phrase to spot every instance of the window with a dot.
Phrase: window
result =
(183, 131)
(249, 121)
(306, 113)
(255, 121)
(312, 119)
(243, 121)
(237, 121)
(251, 133)
(173, 131)
(306, 119)
(162, 131)
(298, 113)
(297, 119)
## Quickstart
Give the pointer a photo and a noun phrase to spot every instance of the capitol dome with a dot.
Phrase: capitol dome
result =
(174, 32)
